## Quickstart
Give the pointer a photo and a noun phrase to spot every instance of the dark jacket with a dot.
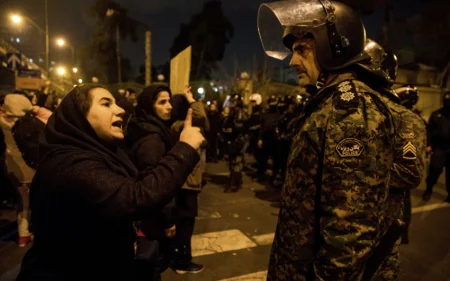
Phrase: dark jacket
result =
(438, 130)
(84, 199)
(150, 140)
(215, 123)
(26, 133)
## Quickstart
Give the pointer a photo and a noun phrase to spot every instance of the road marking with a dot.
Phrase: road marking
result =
(257, 276)
(264, 239)
(430, 207)
(203, 215)
(218, 242)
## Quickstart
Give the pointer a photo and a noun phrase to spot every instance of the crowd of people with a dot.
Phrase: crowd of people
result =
(114, 177)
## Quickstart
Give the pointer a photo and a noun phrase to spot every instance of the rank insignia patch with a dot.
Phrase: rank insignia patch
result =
(350, 147)
(346, 95)
(409, 151)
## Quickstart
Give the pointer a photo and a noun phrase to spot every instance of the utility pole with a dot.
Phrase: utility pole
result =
(119, 63)
(47, 42)
(148, 57)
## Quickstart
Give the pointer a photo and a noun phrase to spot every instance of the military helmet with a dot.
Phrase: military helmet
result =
(288, 100)
(408, 96)
(383, 65)
(390, 65)
(338, 30)
(272, 100)
(446, 95)
(256, 98)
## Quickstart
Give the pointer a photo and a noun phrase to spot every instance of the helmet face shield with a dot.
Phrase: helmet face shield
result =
(337, 30)
(279, 19)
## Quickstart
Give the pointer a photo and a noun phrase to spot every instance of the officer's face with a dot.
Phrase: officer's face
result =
(304, 61)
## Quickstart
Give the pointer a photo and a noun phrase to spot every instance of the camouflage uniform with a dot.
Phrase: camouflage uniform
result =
(334, 198)
(406, 172)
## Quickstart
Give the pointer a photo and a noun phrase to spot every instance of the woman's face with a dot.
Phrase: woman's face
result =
(105, 116)
(162, 106)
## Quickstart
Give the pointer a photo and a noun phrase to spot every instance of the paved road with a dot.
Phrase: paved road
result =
(234, 232)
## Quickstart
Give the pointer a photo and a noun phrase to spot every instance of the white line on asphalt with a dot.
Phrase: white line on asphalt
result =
(218, 242)
(430, 207)
(203, 215)
(257, 276)
(264, 239)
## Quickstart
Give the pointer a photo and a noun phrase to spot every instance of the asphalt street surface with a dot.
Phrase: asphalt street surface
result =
(234, 232)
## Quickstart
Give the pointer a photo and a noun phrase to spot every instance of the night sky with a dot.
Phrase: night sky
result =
(69, 19)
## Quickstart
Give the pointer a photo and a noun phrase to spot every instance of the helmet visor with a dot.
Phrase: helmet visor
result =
(287, 18)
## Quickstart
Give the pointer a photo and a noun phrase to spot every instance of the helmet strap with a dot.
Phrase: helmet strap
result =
(338, 43)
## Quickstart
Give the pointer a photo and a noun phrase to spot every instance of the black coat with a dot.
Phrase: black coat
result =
(150, 139)
(84, 199)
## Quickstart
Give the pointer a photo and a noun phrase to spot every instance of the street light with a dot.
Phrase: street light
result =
(61, 70)
(17, 19)
(80, 81)
(63, 43)
(60, 42)
(75, 70)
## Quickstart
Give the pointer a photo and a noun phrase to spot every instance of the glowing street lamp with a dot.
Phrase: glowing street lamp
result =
(80, 81)
(61, 42)
(75, 70)
(61, 70)
(16, 19)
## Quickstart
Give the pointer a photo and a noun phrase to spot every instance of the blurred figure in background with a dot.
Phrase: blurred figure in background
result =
(267, 142)
(16, 106)
(438, 131)
(186, 200)
(234, 135)
(213, 133)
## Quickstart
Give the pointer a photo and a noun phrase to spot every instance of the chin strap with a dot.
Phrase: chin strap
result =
(321, 81)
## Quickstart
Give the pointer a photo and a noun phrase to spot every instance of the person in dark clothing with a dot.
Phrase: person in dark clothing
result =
(234, 129)
(150, 138)
(186, 199)
(86, 192)
(285, 105)
(438, 139)
(126, 105)
(267, 142)
(213, 133)
(223, 146)
(254, 123)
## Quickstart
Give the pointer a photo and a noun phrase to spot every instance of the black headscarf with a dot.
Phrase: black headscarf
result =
(68, 133)
(144, 121)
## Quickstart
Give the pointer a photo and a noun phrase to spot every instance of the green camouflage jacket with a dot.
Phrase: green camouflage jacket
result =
(334, 199)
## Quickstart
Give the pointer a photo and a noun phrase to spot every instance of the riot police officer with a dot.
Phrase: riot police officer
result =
(409, 97)
(254, 122)
(234, 130)
(267, 142)
(438, 131)
(286, 106)
(334, 197)
(409, 144)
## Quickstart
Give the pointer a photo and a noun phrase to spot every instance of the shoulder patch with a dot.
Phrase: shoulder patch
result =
(407, 134)
(350, 147)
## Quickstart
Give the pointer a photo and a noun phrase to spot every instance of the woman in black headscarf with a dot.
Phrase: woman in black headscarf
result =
(150, 139)
(86, 192)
